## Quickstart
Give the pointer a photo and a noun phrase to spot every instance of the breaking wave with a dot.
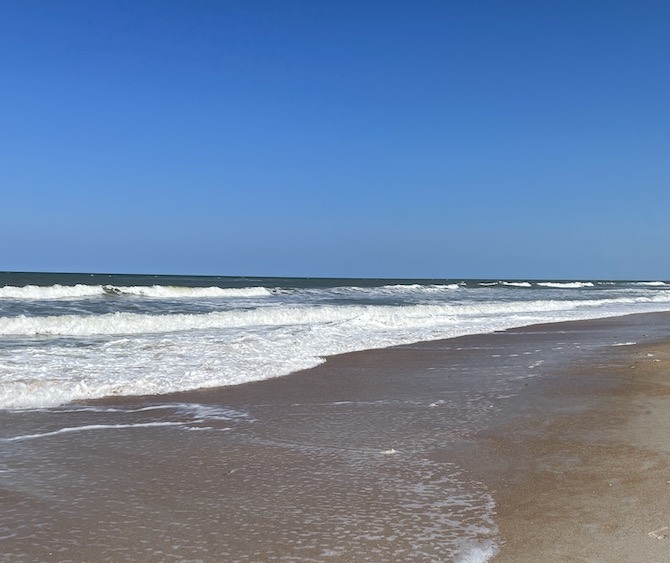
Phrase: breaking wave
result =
(565, 285)
(372, 316)
(36, 292)
(652, 284)
(129, 339)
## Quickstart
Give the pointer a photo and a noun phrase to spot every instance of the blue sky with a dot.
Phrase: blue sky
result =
(451, 138)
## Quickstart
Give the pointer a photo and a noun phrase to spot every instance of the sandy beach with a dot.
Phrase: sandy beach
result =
(593, 485)
(354, 460)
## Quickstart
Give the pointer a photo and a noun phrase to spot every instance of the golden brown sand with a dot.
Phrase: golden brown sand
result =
(593, 486)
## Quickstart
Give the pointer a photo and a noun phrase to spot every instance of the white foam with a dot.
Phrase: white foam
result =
(197, 412)
(517, 284)
(134, 323)
(175, 292)
(50, 292)
(565, 285)
(652, 284)
(478, 553)
(384, 290)
(382, 317)
(34, 292)
(94, 409)
(131, 353)
(431, 288)
(89, 427)
(204, 413)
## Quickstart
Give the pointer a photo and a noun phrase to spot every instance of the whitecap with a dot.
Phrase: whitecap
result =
(565, 285)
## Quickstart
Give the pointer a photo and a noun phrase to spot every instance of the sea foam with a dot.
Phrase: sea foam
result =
(360, 316)
(48, 358)
(565, 285)
(35, 292)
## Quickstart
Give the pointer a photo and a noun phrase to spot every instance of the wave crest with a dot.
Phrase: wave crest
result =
(358, 317)
(565, 285)
(37, 293)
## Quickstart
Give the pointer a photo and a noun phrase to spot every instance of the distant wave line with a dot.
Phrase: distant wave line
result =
(57, 291)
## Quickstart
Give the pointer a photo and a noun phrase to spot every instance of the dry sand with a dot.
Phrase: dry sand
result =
(593, 486)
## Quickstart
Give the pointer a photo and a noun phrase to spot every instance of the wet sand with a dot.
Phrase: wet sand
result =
(374, 456)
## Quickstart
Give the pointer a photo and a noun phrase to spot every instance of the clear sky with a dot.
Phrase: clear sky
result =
(446, 138)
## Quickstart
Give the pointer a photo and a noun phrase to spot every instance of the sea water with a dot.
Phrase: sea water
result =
(71, 337)
(65, 337)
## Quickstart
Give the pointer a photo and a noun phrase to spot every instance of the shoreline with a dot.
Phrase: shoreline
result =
(354, 459)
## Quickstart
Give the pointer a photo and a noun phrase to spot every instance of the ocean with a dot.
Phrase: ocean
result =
(365, 465)
(67, 337)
